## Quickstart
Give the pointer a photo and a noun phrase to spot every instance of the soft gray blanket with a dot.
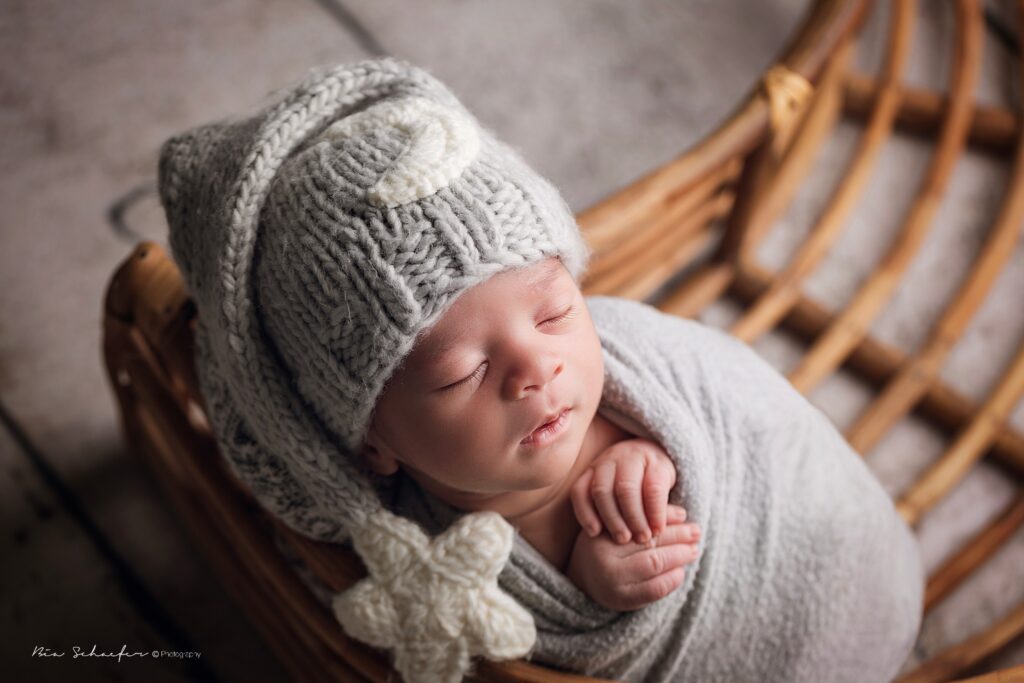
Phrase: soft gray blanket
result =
(806, 572)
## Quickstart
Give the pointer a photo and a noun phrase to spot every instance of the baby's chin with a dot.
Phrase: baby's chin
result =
(549, 467)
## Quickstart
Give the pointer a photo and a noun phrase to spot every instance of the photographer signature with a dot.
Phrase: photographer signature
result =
(77, 652)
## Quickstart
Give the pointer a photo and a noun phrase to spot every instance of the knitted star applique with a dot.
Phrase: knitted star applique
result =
(435, 602)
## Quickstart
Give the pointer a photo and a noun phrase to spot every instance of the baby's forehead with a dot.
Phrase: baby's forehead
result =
(524, 284)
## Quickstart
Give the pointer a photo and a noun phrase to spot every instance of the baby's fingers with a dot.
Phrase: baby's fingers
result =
(655, 573)
(636, 595)
(655, 497)
(675, 514)
(629, 485)
(647, 564)
(603, 490)
(582, 505)
(680, 533)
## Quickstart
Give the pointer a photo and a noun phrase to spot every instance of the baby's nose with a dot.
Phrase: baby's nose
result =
(535, 377)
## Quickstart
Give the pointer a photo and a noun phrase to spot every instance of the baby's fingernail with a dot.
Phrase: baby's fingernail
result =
(622, 537)
(643, 537)
(593, 531)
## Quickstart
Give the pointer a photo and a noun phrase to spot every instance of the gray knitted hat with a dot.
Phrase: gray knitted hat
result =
(318, 237)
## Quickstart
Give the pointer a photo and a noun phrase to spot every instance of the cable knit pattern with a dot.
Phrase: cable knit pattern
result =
(436, 602)
(318, 237)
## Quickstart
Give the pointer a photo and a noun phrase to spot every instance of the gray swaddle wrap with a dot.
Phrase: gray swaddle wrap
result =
(806, 571)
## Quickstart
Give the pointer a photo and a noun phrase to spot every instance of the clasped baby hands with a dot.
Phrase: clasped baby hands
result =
(642, 557)
(627, 488)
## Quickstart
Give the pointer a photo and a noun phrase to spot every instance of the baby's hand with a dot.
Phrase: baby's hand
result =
(627, 487)
(627, 577)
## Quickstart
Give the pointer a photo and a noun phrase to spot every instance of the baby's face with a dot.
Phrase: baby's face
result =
(508, 353)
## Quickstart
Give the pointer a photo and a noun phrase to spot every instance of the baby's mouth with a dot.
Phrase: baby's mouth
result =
(547, 431)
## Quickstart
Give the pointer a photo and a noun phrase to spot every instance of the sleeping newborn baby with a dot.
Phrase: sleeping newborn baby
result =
(394, 353)
(496, 408)
(808, 573)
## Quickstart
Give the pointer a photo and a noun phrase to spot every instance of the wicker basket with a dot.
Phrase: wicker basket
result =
(723, 194)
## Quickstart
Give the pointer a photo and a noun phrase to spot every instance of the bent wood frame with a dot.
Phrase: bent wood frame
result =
(743, 175)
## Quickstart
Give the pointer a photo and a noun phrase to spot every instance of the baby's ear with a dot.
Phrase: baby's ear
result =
(377, 460)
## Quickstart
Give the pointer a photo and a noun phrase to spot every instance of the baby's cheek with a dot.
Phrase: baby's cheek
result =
(426, 429)
(594, 374)
(452, 436)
